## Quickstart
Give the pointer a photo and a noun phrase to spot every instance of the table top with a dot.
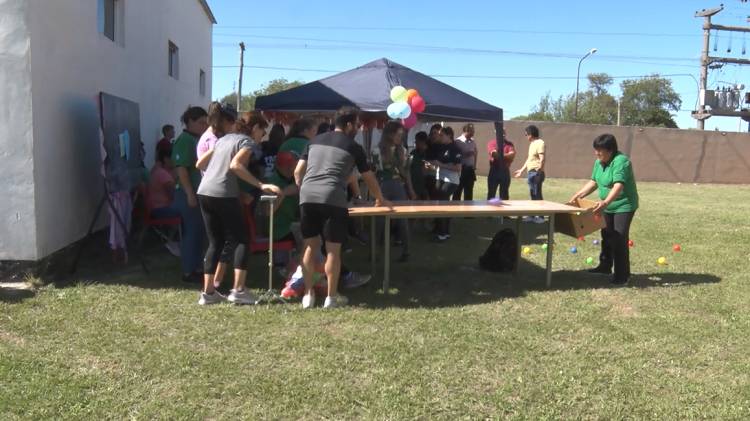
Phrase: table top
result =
(472, 208)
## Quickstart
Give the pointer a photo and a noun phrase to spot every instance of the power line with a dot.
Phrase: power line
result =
(465, 30)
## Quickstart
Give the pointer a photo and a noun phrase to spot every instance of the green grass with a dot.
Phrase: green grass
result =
(449, 342)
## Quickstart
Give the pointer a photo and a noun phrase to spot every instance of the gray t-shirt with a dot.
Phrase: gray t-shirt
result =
(219, 180)
(330, 157)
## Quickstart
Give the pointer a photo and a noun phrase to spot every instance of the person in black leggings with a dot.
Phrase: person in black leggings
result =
(218, 196)
(447, 164)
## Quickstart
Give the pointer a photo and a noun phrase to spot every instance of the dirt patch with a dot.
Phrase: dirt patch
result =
(615, 302)
(11, 338)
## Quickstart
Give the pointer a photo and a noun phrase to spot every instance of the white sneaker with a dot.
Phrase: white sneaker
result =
(208, 299)
(334, 301)
(539, 220)
(241, 297)
(528, 219)
(308, 301)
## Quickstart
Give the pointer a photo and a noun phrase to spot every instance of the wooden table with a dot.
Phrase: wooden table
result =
(449, 209)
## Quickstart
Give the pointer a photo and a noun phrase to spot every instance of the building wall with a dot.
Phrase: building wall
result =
(667, 155)
(17, 225)
(71, 62)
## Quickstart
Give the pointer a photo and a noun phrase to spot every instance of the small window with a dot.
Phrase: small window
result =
(202, 83)
(174, 60)
(107, 18)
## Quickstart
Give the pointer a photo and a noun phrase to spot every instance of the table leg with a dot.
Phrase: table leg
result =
(387, 255)
(550, 245)
(518, 245)
(373, 245)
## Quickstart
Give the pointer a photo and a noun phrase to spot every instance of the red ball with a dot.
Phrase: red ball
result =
(581, 238)
(630, 243)
(676, 247)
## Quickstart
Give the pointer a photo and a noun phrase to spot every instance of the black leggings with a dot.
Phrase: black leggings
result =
(615, 249)
(226, 230)
(444, 191)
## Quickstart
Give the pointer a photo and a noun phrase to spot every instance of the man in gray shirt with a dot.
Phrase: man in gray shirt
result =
(322, 174)
(468, 147)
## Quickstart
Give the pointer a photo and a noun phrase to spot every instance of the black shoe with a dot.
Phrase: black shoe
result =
(600, 270)
(619, 282)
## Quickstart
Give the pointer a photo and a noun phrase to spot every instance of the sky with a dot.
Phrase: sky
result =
(508, 54)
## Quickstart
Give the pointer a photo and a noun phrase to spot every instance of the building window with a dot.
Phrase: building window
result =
(202, 83)
(174, 60)
(107, 10)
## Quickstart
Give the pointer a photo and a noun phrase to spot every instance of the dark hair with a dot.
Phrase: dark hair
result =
(434, 127)
(324, 128)
(165, 128)
(192, 114)
(250, 119)
(421, 137)
(162, 154)
(346, 115)
(467, 128)
(299, 127)
(447, 130)
(219, 113)
(387, 140)
(606, 142)
(532, 131)
(276, 135)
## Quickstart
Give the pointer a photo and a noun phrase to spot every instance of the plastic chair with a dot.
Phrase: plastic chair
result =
(149, 222)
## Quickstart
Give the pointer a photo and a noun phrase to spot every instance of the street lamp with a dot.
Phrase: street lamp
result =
(578, 77)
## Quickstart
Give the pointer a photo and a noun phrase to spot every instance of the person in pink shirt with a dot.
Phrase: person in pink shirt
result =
(214, 132)
(161, 187)
(499, 175)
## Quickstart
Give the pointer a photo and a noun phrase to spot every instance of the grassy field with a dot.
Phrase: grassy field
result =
(449, 342)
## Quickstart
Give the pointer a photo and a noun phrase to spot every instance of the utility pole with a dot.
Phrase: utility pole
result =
(239, 84)
(700, 115)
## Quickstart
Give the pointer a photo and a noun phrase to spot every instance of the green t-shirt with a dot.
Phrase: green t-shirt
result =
(288, 212)
(295, 145)
(184, 155)
(619, 170)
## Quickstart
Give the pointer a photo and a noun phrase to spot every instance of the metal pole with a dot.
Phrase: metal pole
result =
(578, 78)
(239, 84)
(704, 69)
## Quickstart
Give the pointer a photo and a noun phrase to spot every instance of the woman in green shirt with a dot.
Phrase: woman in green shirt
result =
(613, 177)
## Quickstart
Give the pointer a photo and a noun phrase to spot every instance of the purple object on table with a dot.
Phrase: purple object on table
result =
(495, 201)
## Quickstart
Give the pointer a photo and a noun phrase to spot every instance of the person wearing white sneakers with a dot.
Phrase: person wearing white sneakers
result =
(218, 196)
(534, 165)
(322, 174)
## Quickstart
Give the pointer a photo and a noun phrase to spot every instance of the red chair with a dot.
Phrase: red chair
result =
(148, 221)
(258, 244)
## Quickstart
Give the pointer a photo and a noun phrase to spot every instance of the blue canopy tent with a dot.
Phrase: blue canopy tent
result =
(368, 87)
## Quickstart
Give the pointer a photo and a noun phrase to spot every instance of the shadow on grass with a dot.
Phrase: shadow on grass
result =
(13, 295)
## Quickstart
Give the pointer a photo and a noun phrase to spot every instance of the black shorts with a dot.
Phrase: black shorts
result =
(329, 221)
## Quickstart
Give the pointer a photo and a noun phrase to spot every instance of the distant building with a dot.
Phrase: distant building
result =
(55, 58)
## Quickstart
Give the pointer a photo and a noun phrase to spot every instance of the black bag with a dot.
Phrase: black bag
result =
(501, 254)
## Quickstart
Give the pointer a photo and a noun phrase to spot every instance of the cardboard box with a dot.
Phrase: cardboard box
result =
(579, 225)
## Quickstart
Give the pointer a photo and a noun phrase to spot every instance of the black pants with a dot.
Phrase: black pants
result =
(466, 184)
(498, 177)
(615, 236)
(444, 191)
(226, 231)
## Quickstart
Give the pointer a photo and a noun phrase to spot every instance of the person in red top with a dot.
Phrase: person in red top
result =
(499, 175)
(165, 143)
(161, 187)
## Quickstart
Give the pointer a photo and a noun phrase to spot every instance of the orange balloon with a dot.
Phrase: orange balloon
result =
(410, 94)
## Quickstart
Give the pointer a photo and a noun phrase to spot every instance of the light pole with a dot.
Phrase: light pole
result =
(578, 78)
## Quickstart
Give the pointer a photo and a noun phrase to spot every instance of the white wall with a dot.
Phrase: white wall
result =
(71, 62)
(17, 227)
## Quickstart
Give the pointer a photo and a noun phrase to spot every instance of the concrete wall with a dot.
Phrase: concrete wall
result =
(17, 225)
(71, 62)
(669, 155)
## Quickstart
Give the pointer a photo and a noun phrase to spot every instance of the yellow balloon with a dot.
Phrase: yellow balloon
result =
(398, 94)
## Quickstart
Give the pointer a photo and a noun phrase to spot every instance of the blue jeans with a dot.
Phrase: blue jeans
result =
(536, 178)
(193, 234)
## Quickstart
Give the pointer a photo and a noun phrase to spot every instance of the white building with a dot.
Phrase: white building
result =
(55, 58)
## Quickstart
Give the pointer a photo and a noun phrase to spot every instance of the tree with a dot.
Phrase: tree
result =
(649, 102)
(272, 87)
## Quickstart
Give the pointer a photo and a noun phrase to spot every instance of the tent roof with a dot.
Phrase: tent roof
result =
(368, 87)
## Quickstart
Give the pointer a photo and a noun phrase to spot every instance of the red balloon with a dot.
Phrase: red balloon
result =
(410, 121)
(417, 104)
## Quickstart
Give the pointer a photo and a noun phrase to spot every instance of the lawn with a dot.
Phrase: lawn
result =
(448, 342)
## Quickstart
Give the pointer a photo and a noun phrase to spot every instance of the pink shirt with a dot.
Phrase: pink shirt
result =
(507, 148)
(206, 142)
(160, 187)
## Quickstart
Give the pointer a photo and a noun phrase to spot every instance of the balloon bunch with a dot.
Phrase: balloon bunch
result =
(407, 103)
